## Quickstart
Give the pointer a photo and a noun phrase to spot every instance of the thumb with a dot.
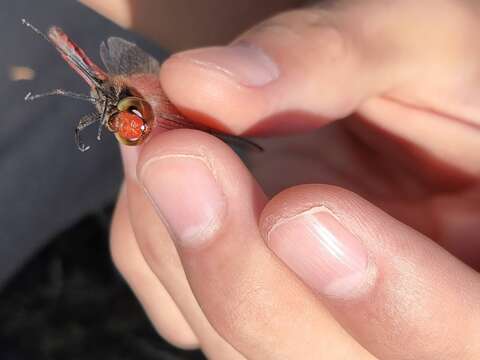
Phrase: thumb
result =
(311, 65)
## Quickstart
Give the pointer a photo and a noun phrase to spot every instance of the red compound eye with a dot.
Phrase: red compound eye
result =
(132, 123)
(131, 127)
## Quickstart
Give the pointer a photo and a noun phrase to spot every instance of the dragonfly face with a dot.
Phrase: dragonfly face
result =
(128, 95)
(131, 120)
(120, 109)
(128, 116)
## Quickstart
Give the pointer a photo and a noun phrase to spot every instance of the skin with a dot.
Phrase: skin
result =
(402, 171)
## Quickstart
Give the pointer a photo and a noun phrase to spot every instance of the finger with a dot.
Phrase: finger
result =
(159, 306)
(211, 205)
(296, 70)
(170, 23)
(400, 294)
(162, 258)
(303, 68)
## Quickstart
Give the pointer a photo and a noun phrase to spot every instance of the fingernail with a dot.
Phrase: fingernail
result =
(246, 64)
(186, 196)
(321, 251)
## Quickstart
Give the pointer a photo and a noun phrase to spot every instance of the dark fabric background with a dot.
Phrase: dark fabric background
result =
(46, 184)
(68, 301)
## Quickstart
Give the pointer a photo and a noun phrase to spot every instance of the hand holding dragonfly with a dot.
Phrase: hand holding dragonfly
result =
(376, 254)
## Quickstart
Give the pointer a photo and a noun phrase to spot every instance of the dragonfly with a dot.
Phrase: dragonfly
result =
(128, 97)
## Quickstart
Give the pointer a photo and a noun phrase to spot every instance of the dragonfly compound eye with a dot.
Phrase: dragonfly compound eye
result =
(133, 122)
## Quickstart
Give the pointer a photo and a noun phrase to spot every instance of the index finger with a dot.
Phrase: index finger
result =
(304, 68)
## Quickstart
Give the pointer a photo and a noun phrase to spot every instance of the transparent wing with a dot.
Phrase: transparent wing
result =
(238, 142)
(122, 57)
(173, 121)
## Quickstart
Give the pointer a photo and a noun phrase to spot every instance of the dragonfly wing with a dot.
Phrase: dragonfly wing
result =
(106, 59)
(238, 142)
(174, 121)
(122, 57)
(75, 56)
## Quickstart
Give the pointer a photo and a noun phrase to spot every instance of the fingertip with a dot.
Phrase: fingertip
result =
(210, 96)
(280, 72)
(181, 141)
(212, 99)
(365, 264)
(193, 180)
(308, 234)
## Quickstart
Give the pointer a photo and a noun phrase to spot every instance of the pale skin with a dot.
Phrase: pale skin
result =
(229, 266)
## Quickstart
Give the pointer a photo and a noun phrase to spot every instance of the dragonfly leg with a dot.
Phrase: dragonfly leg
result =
(103, 121)
(61, 92)
(84, 122)
(99, 131)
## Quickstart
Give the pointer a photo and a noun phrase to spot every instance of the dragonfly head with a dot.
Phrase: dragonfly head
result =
(133, 121)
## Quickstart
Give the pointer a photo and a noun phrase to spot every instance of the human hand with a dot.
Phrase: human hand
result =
(317, 271)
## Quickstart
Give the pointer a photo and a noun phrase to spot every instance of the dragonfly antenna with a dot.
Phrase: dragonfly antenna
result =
(82, 67)
(61, 92)
(27, 24)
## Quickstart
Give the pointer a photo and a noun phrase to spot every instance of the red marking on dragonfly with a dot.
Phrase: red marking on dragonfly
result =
(128, 96)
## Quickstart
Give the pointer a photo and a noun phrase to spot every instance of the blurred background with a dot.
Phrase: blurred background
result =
(60, 296)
